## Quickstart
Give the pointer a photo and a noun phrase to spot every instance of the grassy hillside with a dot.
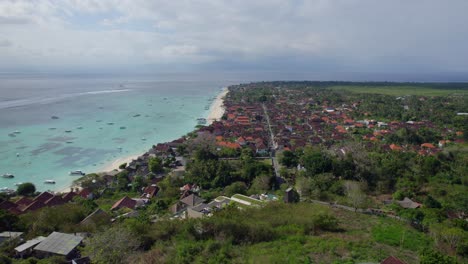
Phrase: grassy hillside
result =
(281, 233)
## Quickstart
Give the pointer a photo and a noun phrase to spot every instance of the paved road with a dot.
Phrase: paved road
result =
(273, 147)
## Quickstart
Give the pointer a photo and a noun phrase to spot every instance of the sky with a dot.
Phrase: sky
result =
(315, 35)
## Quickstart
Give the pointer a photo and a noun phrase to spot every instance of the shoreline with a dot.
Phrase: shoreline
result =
(216, 111)
(217, 107)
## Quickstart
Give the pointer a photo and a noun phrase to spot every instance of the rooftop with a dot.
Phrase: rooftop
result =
(59, 243)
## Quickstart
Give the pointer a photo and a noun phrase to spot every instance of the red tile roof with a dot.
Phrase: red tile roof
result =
(55, 200)
(84, 193)
(150, 191)
(5, 205)
(228, 145)
(69, 196)
(428, 145)
(124, 202)
(35, 205)
(395, 147)
(43, 197)
(24, 201)
(392, 260)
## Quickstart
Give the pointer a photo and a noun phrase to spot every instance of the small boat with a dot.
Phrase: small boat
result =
(144, 139)
(11, 135)
(54, 117)
(110, 123)
(80, 127)
(49, 182)
(18, 183)
(122, 127)
(77, 172)
(201, 121)
(52, 128)
(68, 131)
(137, 115)
(8, 176)
(17, 132)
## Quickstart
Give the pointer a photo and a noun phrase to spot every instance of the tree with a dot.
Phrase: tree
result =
(315, 162)
(355, 194)
(288, 159)
(433, 257)
(234, 188)
(112, 245)
(122, 181)
(8, 221)
(137, 183)
(26, 189)
(155, 165)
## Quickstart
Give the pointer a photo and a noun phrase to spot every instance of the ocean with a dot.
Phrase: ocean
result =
(50, 126)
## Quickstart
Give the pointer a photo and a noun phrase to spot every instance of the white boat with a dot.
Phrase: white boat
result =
(49, 182)
(77, 172)
(8, 175)
(18, 183)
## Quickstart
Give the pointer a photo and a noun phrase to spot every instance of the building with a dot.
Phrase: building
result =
(408, 203)
(8, 235)
(26, 249)
(59, 244)
(392, 260)
(291, 196)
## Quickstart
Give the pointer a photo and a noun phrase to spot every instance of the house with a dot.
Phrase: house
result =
(8, 235)
(408, 203)
(206, 209)
(59, 244)
(43, 197)
(291, 196)
(98, 216)
(86, 193)
(192, 200)
(428, 145)
(150, 192)
(26, 249)
(392, 260)
(186, 202)
(124, 202)
(69, 196)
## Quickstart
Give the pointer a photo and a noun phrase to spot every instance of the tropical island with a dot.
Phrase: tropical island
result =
(297, 172)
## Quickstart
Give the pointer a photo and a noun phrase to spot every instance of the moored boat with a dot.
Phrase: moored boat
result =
(201, 121)
(77, 172)
(8, 175)
(49, 182)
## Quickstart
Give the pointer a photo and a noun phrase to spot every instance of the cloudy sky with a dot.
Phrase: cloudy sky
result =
(318, 35)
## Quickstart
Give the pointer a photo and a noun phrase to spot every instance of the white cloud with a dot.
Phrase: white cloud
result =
(353, 34)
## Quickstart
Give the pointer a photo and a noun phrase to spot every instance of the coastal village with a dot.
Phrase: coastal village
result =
(287, 120)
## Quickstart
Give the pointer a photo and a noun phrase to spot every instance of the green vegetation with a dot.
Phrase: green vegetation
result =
(400, 90)
(26, 189)
(346, 172)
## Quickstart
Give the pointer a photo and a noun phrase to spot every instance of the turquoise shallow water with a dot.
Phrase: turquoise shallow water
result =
(98, 122)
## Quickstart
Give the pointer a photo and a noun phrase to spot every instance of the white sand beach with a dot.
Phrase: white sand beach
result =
(217, 108)
(116, 163)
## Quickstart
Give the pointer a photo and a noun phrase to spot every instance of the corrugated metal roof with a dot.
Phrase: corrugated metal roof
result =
(29, 244)
(59, 243)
